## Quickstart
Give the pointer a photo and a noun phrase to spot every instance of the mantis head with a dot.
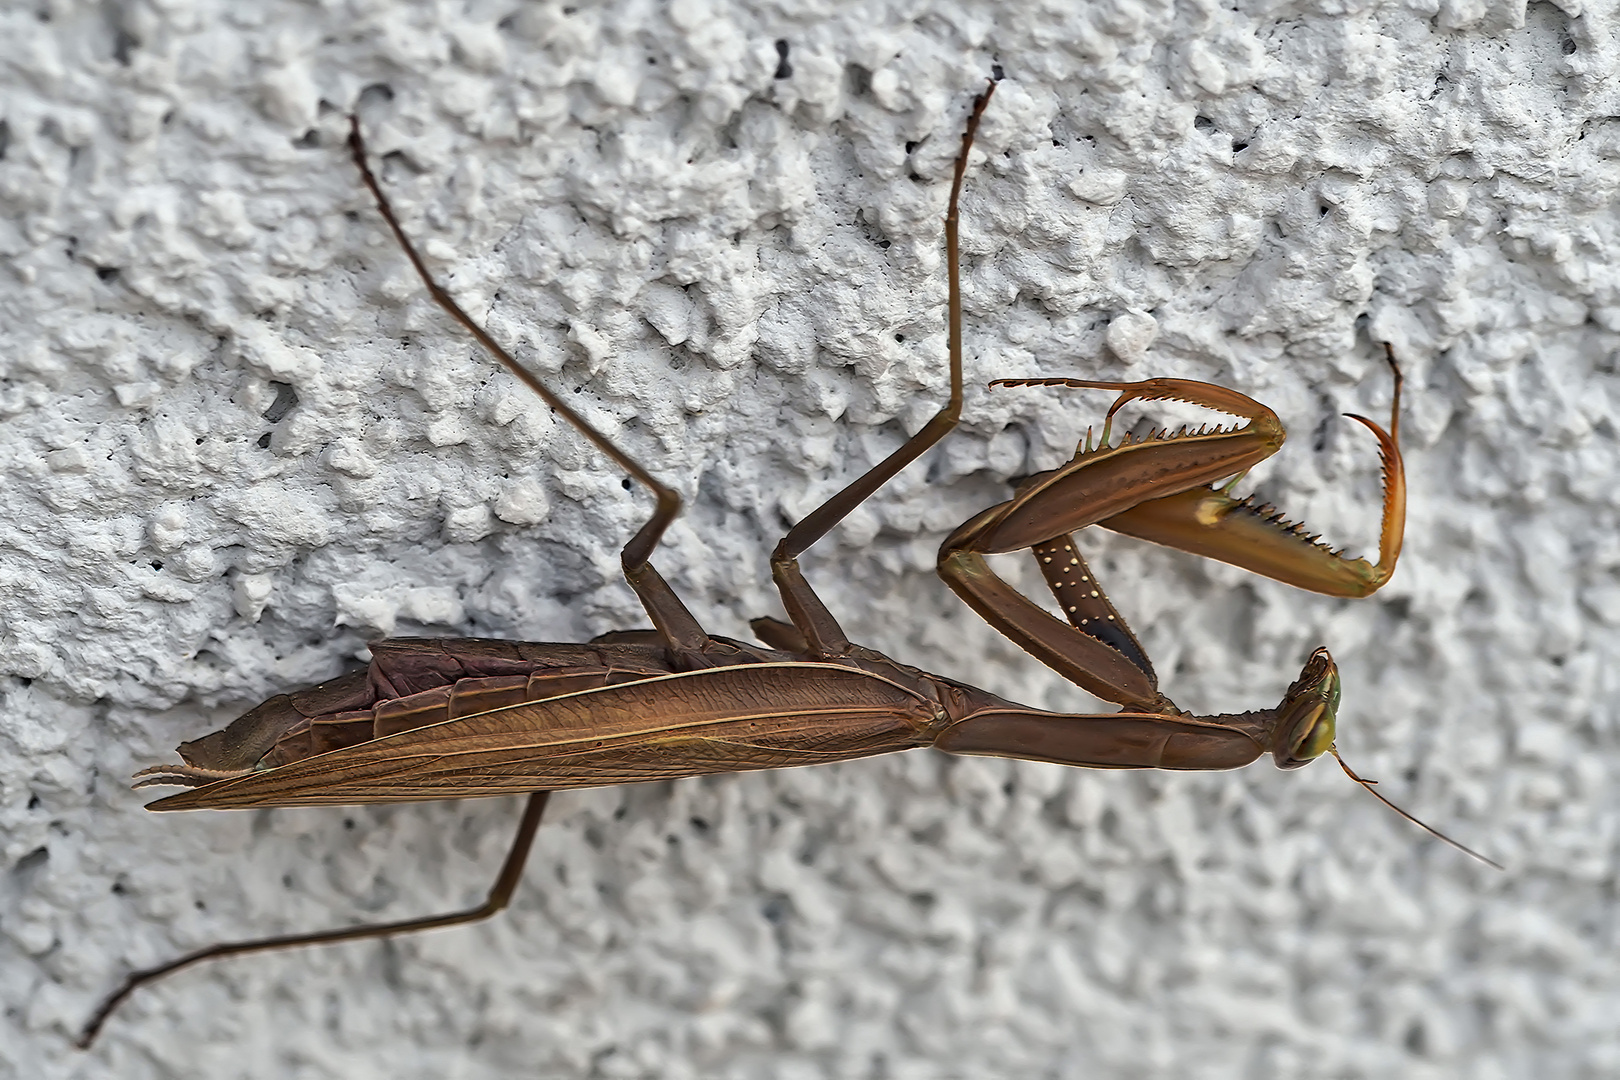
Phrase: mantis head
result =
(1304, 732)
(1305, 719)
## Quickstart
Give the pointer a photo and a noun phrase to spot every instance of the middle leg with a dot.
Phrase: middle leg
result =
(686, 640)
(820, 632)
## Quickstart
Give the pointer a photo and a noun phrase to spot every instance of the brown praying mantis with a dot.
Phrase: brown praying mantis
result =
(455, 718)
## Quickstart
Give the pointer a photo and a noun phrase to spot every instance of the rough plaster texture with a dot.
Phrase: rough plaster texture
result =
(737, 269)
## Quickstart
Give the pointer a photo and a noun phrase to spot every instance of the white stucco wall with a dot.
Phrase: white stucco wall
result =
(721, 264)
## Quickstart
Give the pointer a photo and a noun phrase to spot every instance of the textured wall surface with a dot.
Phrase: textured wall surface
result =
(236, 443)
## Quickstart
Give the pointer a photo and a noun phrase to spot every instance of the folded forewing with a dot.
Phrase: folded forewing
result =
(734, 719)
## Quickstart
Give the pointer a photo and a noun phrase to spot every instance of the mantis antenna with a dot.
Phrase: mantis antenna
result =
(1368, 784)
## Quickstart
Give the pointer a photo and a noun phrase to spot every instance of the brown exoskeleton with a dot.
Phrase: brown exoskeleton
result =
(453, 718)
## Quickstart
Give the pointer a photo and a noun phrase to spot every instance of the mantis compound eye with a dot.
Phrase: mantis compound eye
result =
(1311, 737)
(1306, 718)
